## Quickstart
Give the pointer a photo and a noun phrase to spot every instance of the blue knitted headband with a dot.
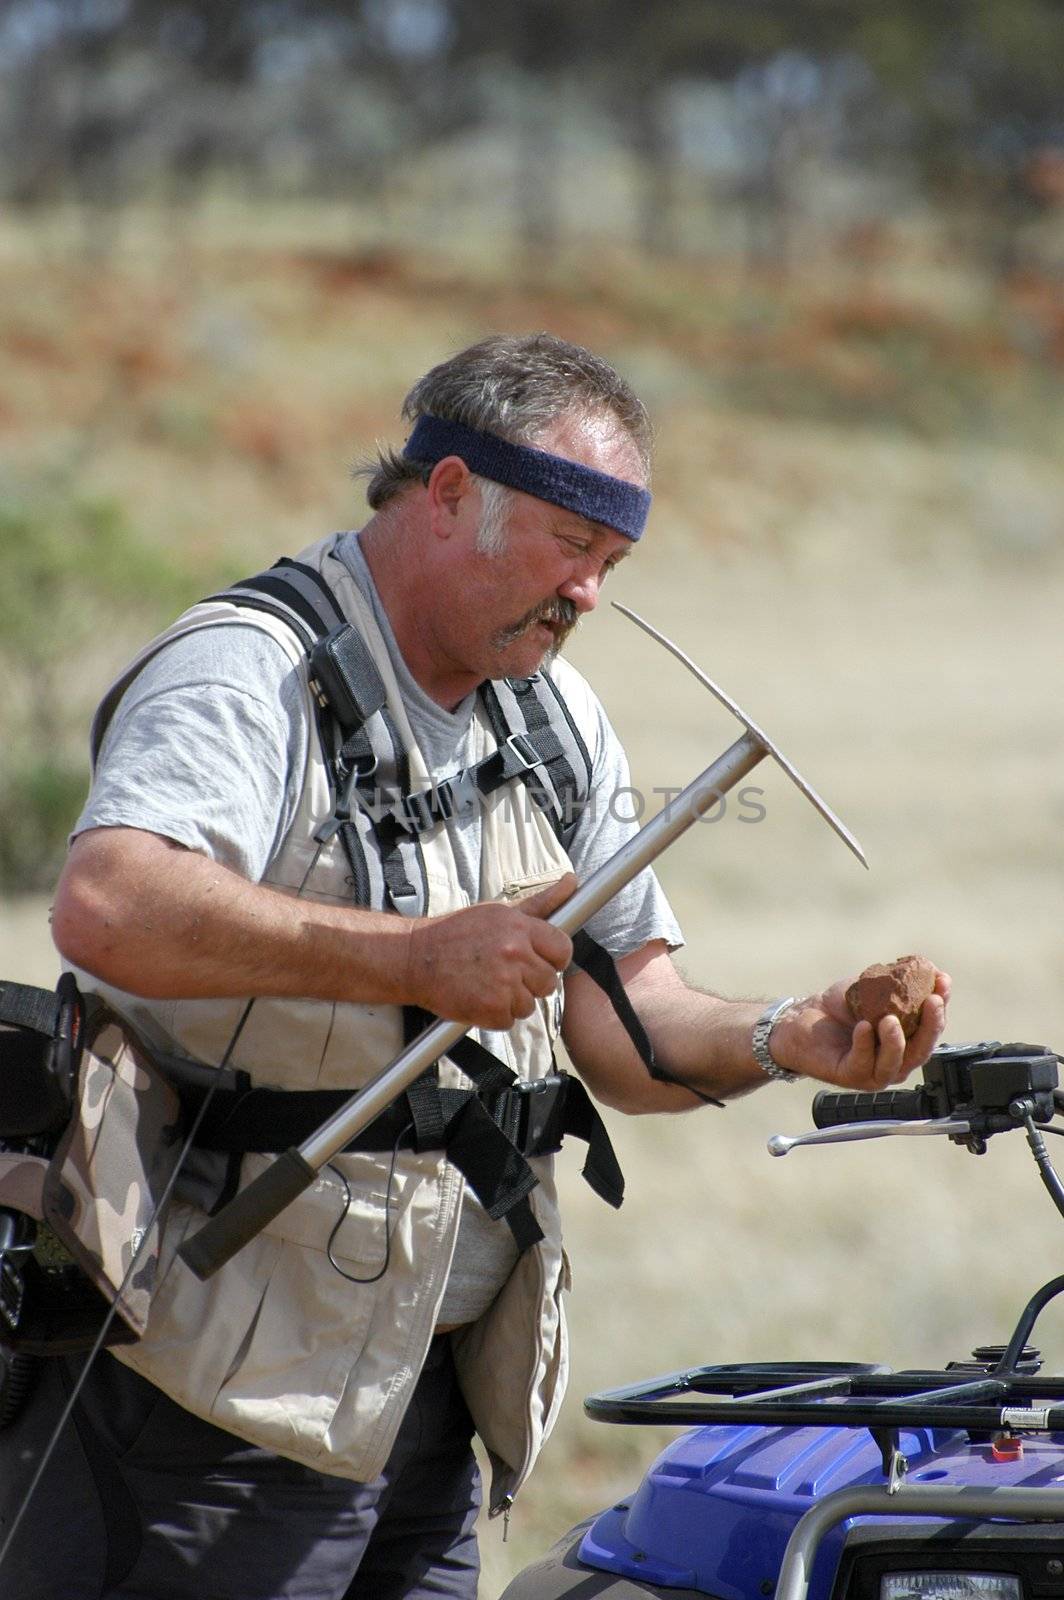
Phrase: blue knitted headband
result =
(594, 495)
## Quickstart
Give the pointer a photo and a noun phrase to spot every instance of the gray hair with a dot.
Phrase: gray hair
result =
(495, 502)
(515, 386)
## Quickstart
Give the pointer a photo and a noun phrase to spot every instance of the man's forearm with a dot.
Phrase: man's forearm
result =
(146, 915)
(706, 1041)
(697, 1037)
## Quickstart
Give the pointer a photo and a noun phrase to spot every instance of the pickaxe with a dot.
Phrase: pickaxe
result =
(295, 1170)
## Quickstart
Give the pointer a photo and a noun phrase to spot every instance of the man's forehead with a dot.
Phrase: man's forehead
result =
(592, 470)
(594, 439)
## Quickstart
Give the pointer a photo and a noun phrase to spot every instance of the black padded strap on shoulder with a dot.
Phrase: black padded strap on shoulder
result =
(600, 966)
(544, 686)
(313, 586)
(543, 708)
(344, 675)
(295, 586)
(350, 698)
(276, 598)
(521, 708)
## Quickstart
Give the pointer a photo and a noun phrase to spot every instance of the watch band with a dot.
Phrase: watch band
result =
(760, 1041)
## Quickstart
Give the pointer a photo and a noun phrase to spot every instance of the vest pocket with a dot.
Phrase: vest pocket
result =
(288, 1371)
(349, 1195)
(520, 888)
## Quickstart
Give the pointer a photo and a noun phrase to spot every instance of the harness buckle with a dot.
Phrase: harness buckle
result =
(542, 1114)
(459, 794)
(525, 751)
(418, 810)
(357, 773)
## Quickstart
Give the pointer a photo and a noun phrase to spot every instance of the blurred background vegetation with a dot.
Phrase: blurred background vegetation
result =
(838, 212)
(825, 240)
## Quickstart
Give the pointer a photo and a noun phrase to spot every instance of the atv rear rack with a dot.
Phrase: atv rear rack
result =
(999, 1391)
(839, 1394)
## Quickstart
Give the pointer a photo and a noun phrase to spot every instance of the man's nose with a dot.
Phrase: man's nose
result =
(582, 589)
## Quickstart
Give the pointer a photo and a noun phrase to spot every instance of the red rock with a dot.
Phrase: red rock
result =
(899, 987)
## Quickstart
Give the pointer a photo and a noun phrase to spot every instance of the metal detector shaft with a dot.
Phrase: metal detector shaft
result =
(276, 1187)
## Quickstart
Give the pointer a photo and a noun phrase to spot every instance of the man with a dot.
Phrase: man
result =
(300, 1424)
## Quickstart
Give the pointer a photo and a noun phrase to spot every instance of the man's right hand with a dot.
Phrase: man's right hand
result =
(489, 964)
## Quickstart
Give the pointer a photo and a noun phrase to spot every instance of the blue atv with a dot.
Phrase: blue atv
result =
(839, 1481)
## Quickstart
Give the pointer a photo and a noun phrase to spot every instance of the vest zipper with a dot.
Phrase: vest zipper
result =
(504, 1505)
(503, 1510)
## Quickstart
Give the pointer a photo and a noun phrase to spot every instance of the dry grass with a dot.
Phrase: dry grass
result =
(884, 598)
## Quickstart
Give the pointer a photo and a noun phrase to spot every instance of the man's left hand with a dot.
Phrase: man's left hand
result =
(818, 1038)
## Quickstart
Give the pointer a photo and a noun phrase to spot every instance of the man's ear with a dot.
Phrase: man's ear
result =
(450, 490)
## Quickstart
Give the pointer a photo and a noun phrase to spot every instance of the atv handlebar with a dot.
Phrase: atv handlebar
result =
(834, 1107)
(969, 1092)
(988, 1086)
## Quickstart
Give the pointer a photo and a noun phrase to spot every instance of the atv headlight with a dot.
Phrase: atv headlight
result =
(949, 1586)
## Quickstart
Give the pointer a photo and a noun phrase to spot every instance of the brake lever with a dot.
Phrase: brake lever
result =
(780, 1143)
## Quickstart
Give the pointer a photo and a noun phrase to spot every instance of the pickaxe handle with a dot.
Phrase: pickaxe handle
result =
(286, 1178)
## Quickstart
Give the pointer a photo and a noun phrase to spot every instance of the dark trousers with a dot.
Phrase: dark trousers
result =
(143, 1501)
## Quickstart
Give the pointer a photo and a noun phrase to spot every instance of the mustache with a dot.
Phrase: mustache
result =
(558, 613)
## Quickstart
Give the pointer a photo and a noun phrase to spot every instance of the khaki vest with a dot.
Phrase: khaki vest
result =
(278, 1347)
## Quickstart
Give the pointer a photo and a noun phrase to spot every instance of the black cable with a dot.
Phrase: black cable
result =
(1045, 1167)
(1024, 1328)
(342, 1218)
(109, 1317)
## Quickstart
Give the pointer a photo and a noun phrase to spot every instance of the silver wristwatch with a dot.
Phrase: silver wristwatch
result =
(762, 1034)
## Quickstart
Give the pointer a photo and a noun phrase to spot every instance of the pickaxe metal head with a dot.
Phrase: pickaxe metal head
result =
(771, 748)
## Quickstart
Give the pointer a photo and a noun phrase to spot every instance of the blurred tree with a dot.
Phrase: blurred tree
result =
(75, 573)
(983, 84)
(103, 95)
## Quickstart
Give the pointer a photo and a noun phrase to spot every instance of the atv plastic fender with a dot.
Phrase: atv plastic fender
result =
(561, 1575)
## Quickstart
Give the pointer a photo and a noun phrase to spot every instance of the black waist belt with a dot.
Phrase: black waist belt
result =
(486, 1134)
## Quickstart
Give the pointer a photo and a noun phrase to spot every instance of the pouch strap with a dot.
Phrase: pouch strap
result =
(23, 1005)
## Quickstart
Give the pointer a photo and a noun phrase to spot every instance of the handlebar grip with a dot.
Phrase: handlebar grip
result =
(833, 1107)
(237, 1223)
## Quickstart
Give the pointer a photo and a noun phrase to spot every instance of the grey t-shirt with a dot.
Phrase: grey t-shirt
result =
(208, 746)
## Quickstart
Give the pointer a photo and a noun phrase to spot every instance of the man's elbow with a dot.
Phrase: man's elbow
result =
(94, 924)
(84, 923)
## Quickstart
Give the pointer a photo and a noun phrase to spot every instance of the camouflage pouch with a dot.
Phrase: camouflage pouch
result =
(111, 1164)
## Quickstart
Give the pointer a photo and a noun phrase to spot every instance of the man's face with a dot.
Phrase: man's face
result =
(561, 561)
(518, 603)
